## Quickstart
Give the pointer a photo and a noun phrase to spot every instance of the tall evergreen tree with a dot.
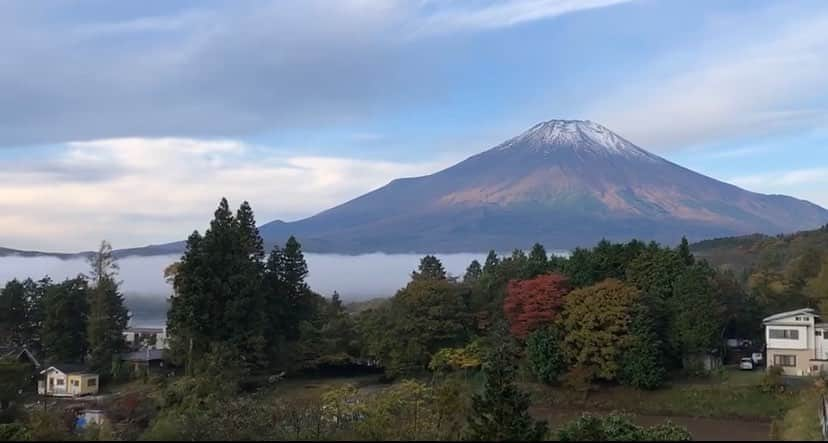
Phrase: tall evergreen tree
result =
(684, 252)
(538, 260)
(188, 319)
(698, 312)
(431, 268)
(218, 282)
(295, 268)
(277, 303)
(107, 316)
(251, 240)
(473, 272)
(491, 263)
(14, 324)
(288, 300)
(501, 412)
(63, 332)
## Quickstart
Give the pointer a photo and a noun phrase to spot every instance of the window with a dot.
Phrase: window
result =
(784, 360)
(818, 333)
(75, 382)
(61, 382)
(92, 382)
(784, 334)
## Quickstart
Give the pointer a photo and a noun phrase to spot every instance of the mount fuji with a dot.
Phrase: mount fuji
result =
(564, 183)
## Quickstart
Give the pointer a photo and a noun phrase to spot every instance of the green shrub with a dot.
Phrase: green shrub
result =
(544, 353)
(773, 381)
(616, 427)
(641, 365)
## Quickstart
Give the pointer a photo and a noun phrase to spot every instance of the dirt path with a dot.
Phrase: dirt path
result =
(702, 429)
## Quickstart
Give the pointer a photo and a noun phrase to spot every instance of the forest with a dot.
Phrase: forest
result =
(449, 350)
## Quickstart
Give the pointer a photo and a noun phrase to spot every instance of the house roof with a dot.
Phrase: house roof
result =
(782, 315)
(16, 352)
(144, 356)
(69, 368)
(145, 330)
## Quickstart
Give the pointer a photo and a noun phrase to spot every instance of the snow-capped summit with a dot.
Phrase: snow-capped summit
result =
(579, 135)
(563, 183)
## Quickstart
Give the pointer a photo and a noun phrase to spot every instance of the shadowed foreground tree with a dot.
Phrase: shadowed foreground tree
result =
(108, 316)
(501, 411)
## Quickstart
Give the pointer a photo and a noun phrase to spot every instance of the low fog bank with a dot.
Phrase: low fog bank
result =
(358, 277)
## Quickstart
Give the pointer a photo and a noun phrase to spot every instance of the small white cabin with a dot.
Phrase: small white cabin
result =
(67, 381)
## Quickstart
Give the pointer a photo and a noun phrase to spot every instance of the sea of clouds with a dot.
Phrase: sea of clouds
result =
(355, 277)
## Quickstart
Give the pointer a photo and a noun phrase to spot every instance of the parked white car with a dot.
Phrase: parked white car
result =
(746, 364)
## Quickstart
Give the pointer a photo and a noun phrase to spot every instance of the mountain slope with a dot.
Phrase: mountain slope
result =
(564, 183)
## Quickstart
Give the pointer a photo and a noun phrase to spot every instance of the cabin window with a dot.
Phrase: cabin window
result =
(60, 382)
(91, 383)
(75, 382)
(788, 361)
(784, 334)
(818, 333)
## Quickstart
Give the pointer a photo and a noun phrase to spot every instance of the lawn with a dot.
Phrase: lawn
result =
(730, 395)
(801, 423)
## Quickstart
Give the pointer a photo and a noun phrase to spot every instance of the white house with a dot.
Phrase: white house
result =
(796, 342)
(140, 338)
(68, 381)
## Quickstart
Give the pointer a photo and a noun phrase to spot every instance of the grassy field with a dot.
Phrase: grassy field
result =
(801, 423)
(731, 395)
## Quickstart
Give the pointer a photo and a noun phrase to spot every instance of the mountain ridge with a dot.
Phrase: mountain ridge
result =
(564, 183)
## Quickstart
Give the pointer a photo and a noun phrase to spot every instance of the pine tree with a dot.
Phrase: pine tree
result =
(107, 317)
(276, 302)
(244, 310)
(492, 261)
(295, 268)
(501, 412)
(13, 314)
(63, 331)
(684, 252)
(288, 300)
(219, 282)
(538, 260)
(473, 272)
(250, 238)
(431, 268)
(188, 319)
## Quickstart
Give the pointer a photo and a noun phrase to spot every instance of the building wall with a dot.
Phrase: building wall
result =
(83, 381)
(52, 380)
(803, 360)
(805, 341)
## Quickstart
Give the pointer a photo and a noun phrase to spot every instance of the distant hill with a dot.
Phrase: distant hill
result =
(6, 252)
(564, 183)
(769, 253)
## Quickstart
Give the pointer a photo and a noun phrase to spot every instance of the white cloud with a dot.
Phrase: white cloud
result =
(744, 83)
(809, 183)
(165, 188)
(500, 14)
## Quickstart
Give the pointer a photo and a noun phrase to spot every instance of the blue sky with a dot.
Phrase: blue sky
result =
(129, 120)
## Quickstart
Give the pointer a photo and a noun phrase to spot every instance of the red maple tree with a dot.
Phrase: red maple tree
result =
(533, 303)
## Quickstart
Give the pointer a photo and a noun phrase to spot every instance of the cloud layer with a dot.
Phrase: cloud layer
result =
(748, 84)
(139, 191)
